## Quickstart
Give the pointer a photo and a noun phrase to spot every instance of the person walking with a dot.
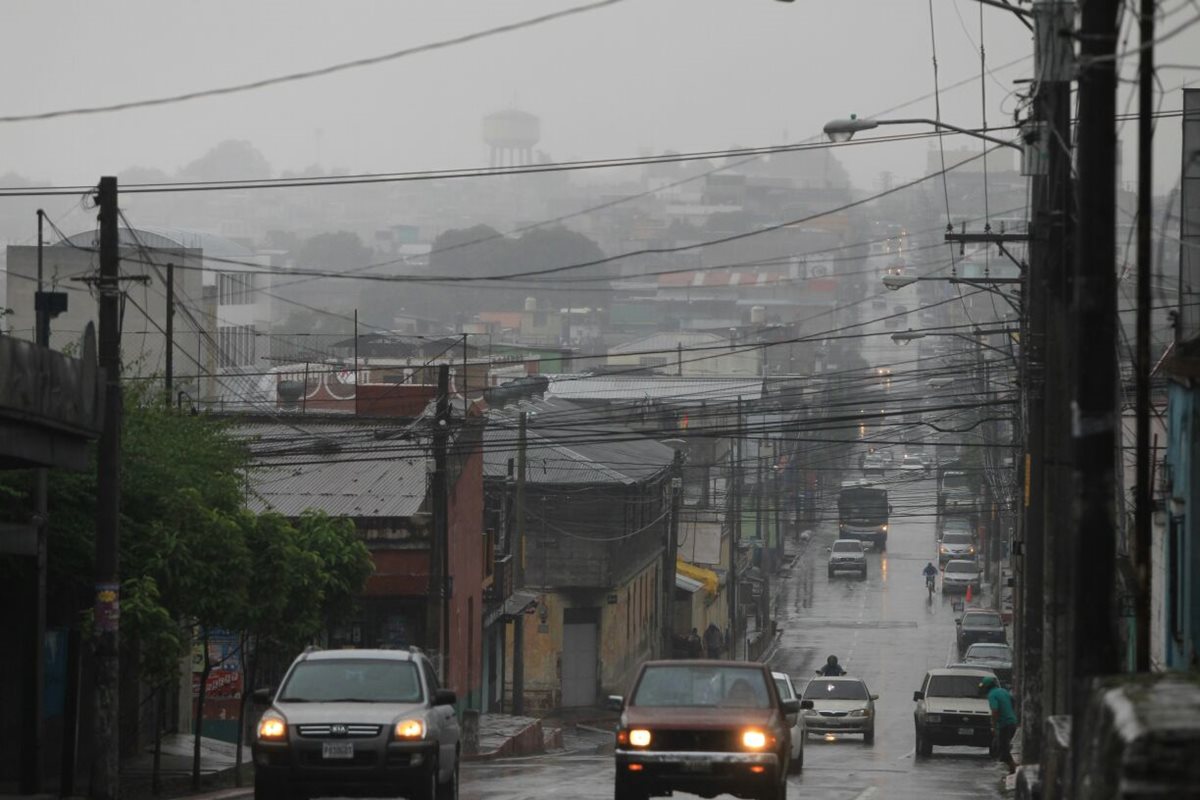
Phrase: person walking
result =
(1004, 720)
(694, 648)
(714, 642)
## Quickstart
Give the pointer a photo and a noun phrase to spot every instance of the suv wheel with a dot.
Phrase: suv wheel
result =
(449, 789)
(428, 788)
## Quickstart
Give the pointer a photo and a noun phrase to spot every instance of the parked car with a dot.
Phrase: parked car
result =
(952, 710)
(787, 691)
(994, 656)
(705, 727)
(956, 544)
(354, 722)
(847, 555)
(841, 705)
(960, 573)
(978, 625)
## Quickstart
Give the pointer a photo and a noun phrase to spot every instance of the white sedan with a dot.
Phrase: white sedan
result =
(788, 692)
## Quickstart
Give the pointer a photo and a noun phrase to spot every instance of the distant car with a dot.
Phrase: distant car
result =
(960, 573)
(994, 656)
(978, 625)
(787, 691)
(346, 722)
(841, 705)
(705, 727)
(874, 462)
(847, 555)
(912, 462)
(958, 525)
(956, 544)
(952, 710)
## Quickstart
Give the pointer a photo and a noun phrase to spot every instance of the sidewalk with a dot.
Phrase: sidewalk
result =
(505, 735)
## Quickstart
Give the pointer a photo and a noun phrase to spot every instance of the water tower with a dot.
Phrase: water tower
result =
(511, 135)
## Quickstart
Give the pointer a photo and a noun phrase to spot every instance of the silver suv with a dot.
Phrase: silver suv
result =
(357, 722)
(848, 554)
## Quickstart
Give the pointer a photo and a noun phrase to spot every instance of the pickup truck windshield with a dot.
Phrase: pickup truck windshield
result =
(954, 686)
(670, 686)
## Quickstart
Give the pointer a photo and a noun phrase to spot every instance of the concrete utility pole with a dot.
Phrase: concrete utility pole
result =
(667, 590)
(518, 553)
(440, 551)
(106, 741)
(1094, 318)
(169, 378)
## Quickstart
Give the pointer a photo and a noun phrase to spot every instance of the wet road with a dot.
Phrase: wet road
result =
(882, 630)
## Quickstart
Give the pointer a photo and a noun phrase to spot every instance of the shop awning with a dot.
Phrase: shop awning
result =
(707, 578)
(689, 585)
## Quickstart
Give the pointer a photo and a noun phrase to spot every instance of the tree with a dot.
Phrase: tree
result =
(232, 159)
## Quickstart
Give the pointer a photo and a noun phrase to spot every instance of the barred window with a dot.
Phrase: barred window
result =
(236, 345)
(235, 289)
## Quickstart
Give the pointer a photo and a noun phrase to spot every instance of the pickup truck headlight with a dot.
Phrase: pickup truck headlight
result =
(639, 737)
(933, 717)
(754, 739)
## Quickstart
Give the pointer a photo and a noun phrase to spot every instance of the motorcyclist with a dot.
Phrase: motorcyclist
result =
(832, 668)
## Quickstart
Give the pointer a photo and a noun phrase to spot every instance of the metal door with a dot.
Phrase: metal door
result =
(579, 664)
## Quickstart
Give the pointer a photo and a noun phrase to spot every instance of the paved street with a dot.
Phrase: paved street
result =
(882, 630)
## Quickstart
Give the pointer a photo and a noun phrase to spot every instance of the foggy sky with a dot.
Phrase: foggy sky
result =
(641, 75)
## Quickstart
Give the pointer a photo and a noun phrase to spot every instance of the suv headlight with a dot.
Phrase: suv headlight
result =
(410, 729)
(272, 727)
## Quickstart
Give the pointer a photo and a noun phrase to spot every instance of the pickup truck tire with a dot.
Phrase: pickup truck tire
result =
(778, 792)
(862, 576)
(623, 791)
(830, 571)
(924, 748)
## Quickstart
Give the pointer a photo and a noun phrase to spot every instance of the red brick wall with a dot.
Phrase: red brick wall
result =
(466, 565)
(393, 399)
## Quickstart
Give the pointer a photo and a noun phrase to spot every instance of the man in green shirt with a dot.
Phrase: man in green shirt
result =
(1004, 720)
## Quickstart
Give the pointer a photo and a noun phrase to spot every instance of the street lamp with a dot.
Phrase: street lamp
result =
(843, 130)
(904, 337)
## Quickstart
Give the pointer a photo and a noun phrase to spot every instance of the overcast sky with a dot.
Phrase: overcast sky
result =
(641, 74)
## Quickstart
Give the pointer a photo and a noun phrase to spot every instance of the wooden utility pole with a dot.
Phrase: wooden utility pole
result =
(169, 378)
(106, 741)
(518, 553)
(1094, 317)
(1142, 505)
(667, 590)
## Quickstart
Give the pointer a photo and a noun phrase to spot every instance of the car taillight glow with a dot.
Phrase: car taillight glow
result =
(754, 739)
(639, 737)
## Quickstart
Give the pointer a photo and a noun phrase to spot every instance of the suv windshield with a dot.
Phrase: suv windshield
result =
(847, 547)
(990, 652)
(702, 687)
(961, 566)
(956, 537)
(352, 680)
(835, 690)
(978, 620)
(954, 686)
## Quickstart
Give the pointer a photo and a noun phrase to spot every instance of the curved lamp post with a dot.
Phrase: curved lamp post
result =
(843, 130)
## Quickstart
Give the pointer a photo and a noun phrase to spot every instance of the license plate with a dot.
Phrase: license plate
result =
(965, 731)
(696, 766)
(337, 749)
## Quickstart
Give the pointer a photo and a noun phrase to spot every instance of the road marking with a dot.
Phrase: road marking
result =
(870, 791)
(909, 754)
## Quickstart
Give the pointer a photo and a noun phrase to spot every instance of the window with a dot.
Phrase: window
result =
(430, 677)
(235, 289)
(236, 345)
(702, 687)
(352, 680)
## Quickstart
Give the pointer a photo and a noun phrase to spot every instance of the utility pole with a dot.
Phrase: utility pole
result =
(667, 591)
(440, 552)
(1044, 304)
(106, 744)
(736, 533)
(170, 331)
(1142, 504)
(518, 702)
(1094, 318)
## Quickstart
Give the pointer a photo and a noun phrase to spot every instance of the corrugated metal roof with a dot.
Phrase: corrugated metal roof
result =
(667, 389)
(563, 446)
(341, 469)
(659, 342)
